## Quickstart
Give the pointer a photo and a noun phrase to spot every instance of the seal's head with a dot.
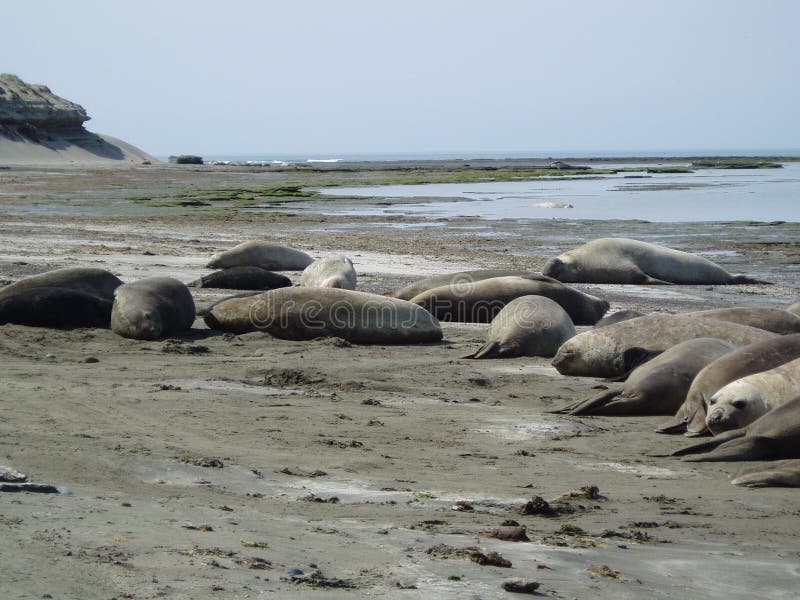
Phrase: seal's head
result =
(560, 268)
(215, 261)
(737, 404)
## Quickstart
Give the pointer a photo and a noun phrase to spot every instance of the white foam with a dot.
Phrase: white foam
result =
(231, 386)
(513, 430)
(527, 370)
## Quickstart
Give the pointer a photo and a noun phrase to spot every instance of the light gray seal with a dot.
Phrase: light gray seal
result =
(55, 307)
(775, 320)
(755, 358)
(242, 278)
(480, 301)
(622, 260)
(152, 308)
(96, 282)
(659, 386)
(331, 272)
(774, 435)
(461, 279)
(261, 254)
(779, 473)
(614, 350)
(527, 326)
(307, 313)
(743, 401)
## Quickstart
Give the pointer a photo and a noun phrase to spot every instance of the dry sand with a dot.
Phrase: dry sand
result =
(80, 149)
(216, 466)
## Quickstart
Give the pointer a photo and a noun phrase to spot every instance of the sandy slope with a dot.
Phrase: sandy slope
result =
(82, 150)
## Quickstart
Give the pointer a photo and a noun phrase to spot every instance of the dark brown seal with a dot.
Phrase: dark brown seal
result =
(659, 386)
(97, 282)
(480, 301)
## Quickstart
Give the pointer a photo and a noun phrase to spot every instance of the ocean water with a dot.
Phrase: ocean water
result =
(705, 195)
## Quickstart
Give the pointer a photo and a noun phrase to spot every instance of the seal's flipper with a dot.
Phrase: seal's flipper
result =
(767, 478)
(782, 473)
(696, 434)
(711, 444)
(742, 448)
(742, 279)
(635, 357)
(672, 427)
(653, 281)
(696, 425)
(488, 350)
(590, 406)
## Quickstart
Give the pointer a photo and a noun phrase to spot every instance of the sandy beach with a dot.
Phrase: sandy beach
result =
(223, 466)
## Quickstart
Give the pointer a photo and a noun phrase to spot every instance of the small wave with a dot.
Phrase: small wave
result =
(324, 160)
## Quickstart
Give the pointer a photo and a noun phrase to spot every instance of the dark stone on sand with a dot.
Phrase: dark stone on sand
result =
(493, 559)
(521, 586)
(41, 488)
(186, 159)
(538, 506)
(510, 534)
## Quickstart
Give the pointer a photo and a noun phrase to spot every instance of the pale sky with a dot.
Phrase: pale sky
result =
(357, 76)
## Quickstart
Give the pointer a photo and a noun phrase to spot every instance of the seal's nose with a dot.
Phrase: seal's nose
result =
(552, 268)
(714, 417)
(562, 358)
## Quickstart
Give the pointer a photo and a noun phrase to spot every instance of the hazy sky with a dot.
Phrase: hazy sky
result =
(328, 77)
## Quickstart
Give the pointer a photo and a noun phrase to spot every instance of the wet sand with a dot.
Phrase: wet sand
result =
(217, 466)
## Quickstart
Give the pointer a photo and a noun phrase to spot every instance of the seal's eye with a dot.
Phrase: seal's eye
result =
(712, 402)
(738, 404)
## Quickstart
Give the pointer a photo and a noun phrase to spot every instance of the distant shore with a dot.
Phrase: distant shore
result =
(13, 157)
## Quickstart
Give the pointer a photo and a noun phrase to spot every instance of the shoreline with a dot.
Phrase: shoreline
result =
(402, 163)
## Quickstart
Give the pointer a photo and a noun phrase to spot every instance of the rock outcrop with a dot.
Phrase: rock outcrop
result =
(37, 126)
(186, 159)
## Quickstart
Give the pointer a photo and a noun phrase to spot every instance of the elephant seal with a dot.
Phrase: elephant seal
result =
(779, 473)
(775, 320)
(755, 358)
(242, 278)
(331, 272)
(461, 279)
(527, 326)
(152, 308)
(261, 254)
(743, 401)
(659, 386)
(96, 282)
(622, 260)
(776, 434)
(232, 314)
(307, 313)
(55, 307)
(480, 301)
(618, 317)
(614, 350)
(794, 308)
